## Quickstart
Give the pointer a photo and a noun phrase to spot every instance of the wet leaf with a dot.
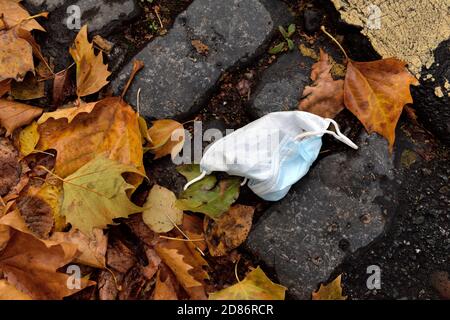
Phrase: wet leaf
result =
(255, 286)
(14, 115)
(229, 231)
(376, 92)
(92, 73)
(325, 97)
(96, 194)
(209, 196)
(332, 291)
(160, 213)
(167, 137)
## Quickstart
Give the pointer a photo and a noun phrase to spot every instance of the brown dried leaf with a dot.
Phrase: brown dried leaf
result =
(9, 166)
(5, 87)
(31, 266)
(9, 292)
(229, 231)
(110, 129)
(200, 47)
(92, 249)
(92, 73)
(15, 114)
(13, 13)
(119, 256)
(376, 92)
(16, 56)
(30, 88)
(325, 97)
(164, 287)
(186, 264)
(167, 137)
(61, 87)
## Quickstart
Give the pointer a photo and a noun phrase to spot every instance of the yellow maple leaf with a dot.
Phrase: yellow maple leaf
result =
(96, 194)
(331, 291)
(255, 286)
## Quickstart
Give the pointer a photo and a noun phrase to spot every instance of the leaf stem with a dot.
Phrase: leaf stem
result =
(335, 41)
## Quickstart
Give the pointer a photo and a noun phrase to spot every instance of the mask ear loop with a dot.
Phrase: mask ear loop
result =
(190, 183)
(338, 135)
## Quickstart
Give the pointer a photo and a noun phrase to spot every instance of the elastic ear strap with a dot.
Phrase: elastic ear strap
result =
(339, 136)
(190, 183)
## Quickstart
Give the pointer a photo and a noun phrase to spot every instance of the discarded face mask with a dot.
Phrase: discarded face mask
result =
(273, 152)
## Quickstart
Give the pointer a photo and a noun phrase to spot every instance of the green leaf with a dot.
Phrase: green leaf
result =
(291, 45)
(291, 30)
(207, 196)
(255, 286)
(283, 32)
(96, 194)
(278, 48)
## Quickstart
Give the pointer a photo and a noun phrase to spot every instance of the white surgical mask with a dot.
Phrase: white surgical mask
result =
(273, 152)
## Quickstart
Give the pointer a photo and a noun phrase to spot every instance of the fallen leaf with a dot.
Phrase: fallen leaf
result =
(5, 87)
(92, 249)
(28, 89)
(14, 13)
(200, 47)
(154, 262)
(325, 97)
(9, 166)
(441, 282)
(107, 285)
(332, 291)
(133, 284)
(4, 236)
(28, 139)
(119, 256)
(15, 114)
(376, 92)
(96, 194)
(164, 288)
(111, 129)
(167, 137)
(92, 73)
(255, 286)
(160, 213)
(31, 266)
(229, 231)
(16, 56)
(9, 292)
(67, 113)
(193, 227)
(36, 212)
(208, 196)
(61, 87)
(186, 264)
